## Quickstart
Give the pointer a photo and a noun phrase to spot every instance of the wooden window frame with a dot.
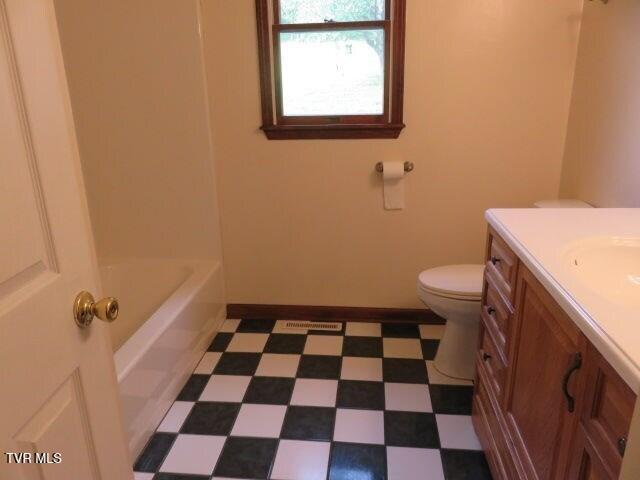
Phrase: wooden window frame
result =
(277, 126)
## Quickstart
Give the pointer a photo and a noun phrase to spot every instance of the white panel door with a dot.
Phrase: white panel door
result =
(59, 407)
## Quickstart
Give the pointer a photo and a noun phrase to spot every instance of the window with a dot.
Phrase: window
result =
(337, 70)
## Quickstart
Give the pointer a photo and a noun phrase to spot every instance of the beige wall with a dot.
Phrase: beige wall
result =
(602, 158)
(487, 95)
(139, 99)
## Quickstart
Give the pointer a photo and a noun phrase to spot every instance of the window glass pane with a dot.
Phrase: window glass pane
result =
(318, 11)
(332, 72)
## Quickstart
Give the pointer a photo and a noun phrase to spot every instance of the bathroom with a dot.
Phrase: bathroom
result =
(320, 239)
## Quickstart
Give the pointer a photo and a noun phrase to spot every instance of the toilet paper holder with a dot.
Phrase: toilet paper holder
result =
(408, 167)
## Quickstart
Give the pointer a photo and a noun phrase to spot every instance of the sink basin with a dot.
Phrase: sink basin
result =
(608, 266)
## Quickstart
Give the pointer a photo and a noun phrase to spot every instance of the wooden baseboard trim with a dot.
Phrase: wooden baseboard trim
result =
(353, 314)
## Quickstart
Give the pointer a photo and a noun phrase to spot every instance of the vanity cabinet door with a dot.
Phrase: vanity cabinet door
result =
(545, 381)
(605, 419)
(586, 462)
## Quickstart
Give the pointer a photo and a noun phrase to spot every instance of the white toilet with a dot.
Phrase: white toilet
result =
(454, 292)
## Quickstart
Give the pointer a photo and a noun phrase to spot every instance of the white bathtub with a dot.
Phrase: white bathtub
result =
(169, 312)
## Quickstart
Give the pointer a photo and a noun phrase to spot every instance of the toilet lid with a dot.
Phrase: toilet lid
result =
(457, 281)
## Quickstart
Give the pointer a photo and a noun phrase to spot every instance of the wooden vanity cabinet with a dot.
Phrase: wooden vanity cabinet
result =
(604, 422)
(586, 462)
(546, 404)
(545, 379)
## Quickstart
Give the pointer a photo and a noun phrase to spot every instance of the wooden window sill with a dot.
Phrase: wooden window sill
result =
(327, 132)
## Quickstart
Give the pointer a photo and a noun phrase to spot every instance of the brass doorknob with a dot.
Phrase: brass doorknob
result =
(85, 308)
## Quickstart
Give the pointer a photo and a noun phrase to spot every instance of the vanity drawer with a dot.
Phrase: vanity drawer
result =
(491, 429)
(484, 422)
(607, 410)
(502, 265)
(493, 364)
(497, 315)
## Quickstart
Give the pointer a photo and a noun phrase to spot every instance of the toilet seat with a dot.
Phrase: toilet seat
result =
(451, 296)
(459, 282)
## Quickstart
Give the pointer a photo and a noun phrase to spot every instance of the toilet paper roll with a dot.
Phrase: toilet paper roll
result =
(393, 185)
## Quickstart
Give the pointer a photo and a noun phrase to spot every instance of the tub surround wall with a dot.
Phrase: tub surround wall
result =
(487, 90)
(141, 287)
(603, 145)
(139, 100)
(138, 92)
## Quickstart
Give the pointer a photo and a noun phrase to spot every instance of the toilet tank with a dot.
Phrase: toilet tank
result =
(561, 204)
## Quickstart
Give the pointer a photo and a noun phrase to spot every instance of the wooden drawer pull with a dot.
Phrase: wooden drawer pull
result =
(495, 260)
(490, 310)
(486, 356)
(575, 366)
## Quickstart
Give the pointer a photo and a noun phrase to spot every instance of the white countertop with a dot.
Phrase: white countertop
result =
(542, 239)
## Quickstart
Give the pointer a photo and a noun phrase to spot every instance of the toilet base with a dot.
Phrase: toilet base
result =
(457, 349)
(445, 374)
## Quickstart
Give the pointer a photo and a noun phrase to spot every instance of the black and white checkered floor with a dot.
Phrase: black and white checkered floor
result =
(361, 404)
